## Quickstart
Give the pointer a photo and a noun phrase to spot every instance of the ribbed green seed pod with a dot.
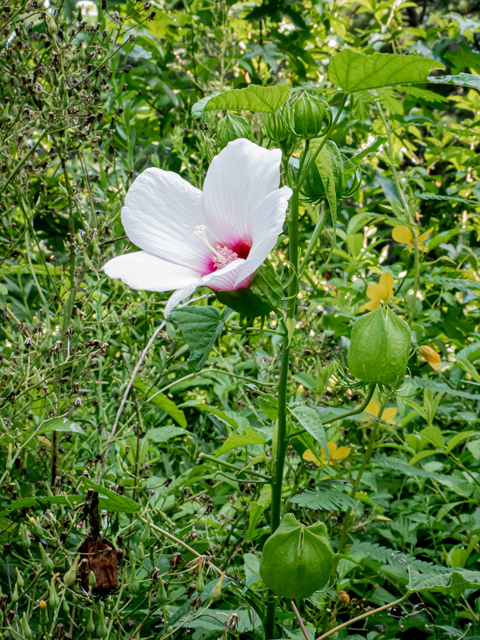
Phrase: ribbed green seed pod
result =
(70, 577)
(200, 580)
(308, 116)
(162, 597)
(379, 347)
(27, 632)
(232, 127)
(296, 560)
(313, 188)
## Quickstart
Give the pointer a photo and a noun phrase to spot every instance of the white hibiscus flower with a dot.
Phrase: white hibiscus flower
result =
(216, 238)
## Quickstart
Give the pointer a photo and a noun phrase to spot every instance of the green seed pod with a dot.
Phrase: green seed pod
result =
(379, 347)
(296, 560)
(217, 589)
(232, 127)
(20, 580)
(277, 130)
(101, 624)
(53, 599)
(146, 532)
(162, 597)
(200, 580)
(47, 563)
(65, 607)
(15, 596)
(27, 632)
(308, 116)
(313, 188)
(263, 295)
(91, 580)
(70, 577)
(24, 537)
(166, 613)
(140, 553)
(61, 86)
(9, 463)
(37, 529)
(90, 626)
(120, 466)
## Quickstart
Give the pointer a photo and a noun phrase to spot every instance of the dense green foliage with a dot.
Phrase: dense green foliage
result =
(179, 455)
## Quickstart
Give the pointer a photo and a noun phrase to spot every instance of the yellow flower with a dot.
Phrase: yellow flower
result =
(372, 409)
(339, 453)
(432, 357)
(379, 292)
(404, 235)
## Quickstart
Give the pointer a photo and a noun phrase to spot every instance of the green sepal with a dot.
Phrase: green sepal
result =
(262, 296)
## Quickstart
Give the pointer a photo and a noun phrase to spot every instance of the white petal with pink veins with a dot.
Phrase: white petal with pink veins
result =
(160, 213)
(143, 271)
(237, 180)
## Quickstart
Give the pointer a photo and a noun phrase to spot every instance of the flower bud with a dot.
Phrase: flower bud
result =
(90, 626)
(232, 127)
(277, 130)
(26, 631)
(71, 575)
(101, 624)
(20, 580)
(217, 589)
(346, 182)
(162, 596)
(15, 596)
(53, 599)
(9, 463)
(200, 580)
(379, 347)
(91, 580)
(308, 117)
(36, 527)
(47, 562)
(24, 537)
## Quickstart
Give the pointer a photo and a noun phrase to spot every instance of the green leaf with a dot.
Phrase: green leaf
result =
(162, 401)
(162, 434)
(311, 422)
(249, 436)
(421, 455)
(200, 327)
(356, 160)
(385, 555)
(463, 79)
(457, 438)
(115, 501)
(327, 498)
(444, 509)
(60, 424)
(325, 169)
(442, 387)
(352, 71)
(253, 98)
(201, 406)
(435, 196)
(468, 367)
(451, 583)
(474, 448)
(434, 435)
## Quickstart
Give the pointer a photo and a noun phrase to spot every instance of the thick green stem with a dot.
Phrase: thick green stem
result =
(282, 442)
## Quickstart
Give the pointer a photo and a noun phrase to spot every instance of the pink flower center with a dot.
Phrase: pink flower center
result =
(223, 256)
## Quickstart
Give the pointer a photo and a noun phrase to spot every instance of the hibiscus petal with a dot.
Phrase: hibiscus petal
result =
(160, 214)
(267, 224)
(237, 180)
(389, 414)
(143, 271)
(218, 280)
